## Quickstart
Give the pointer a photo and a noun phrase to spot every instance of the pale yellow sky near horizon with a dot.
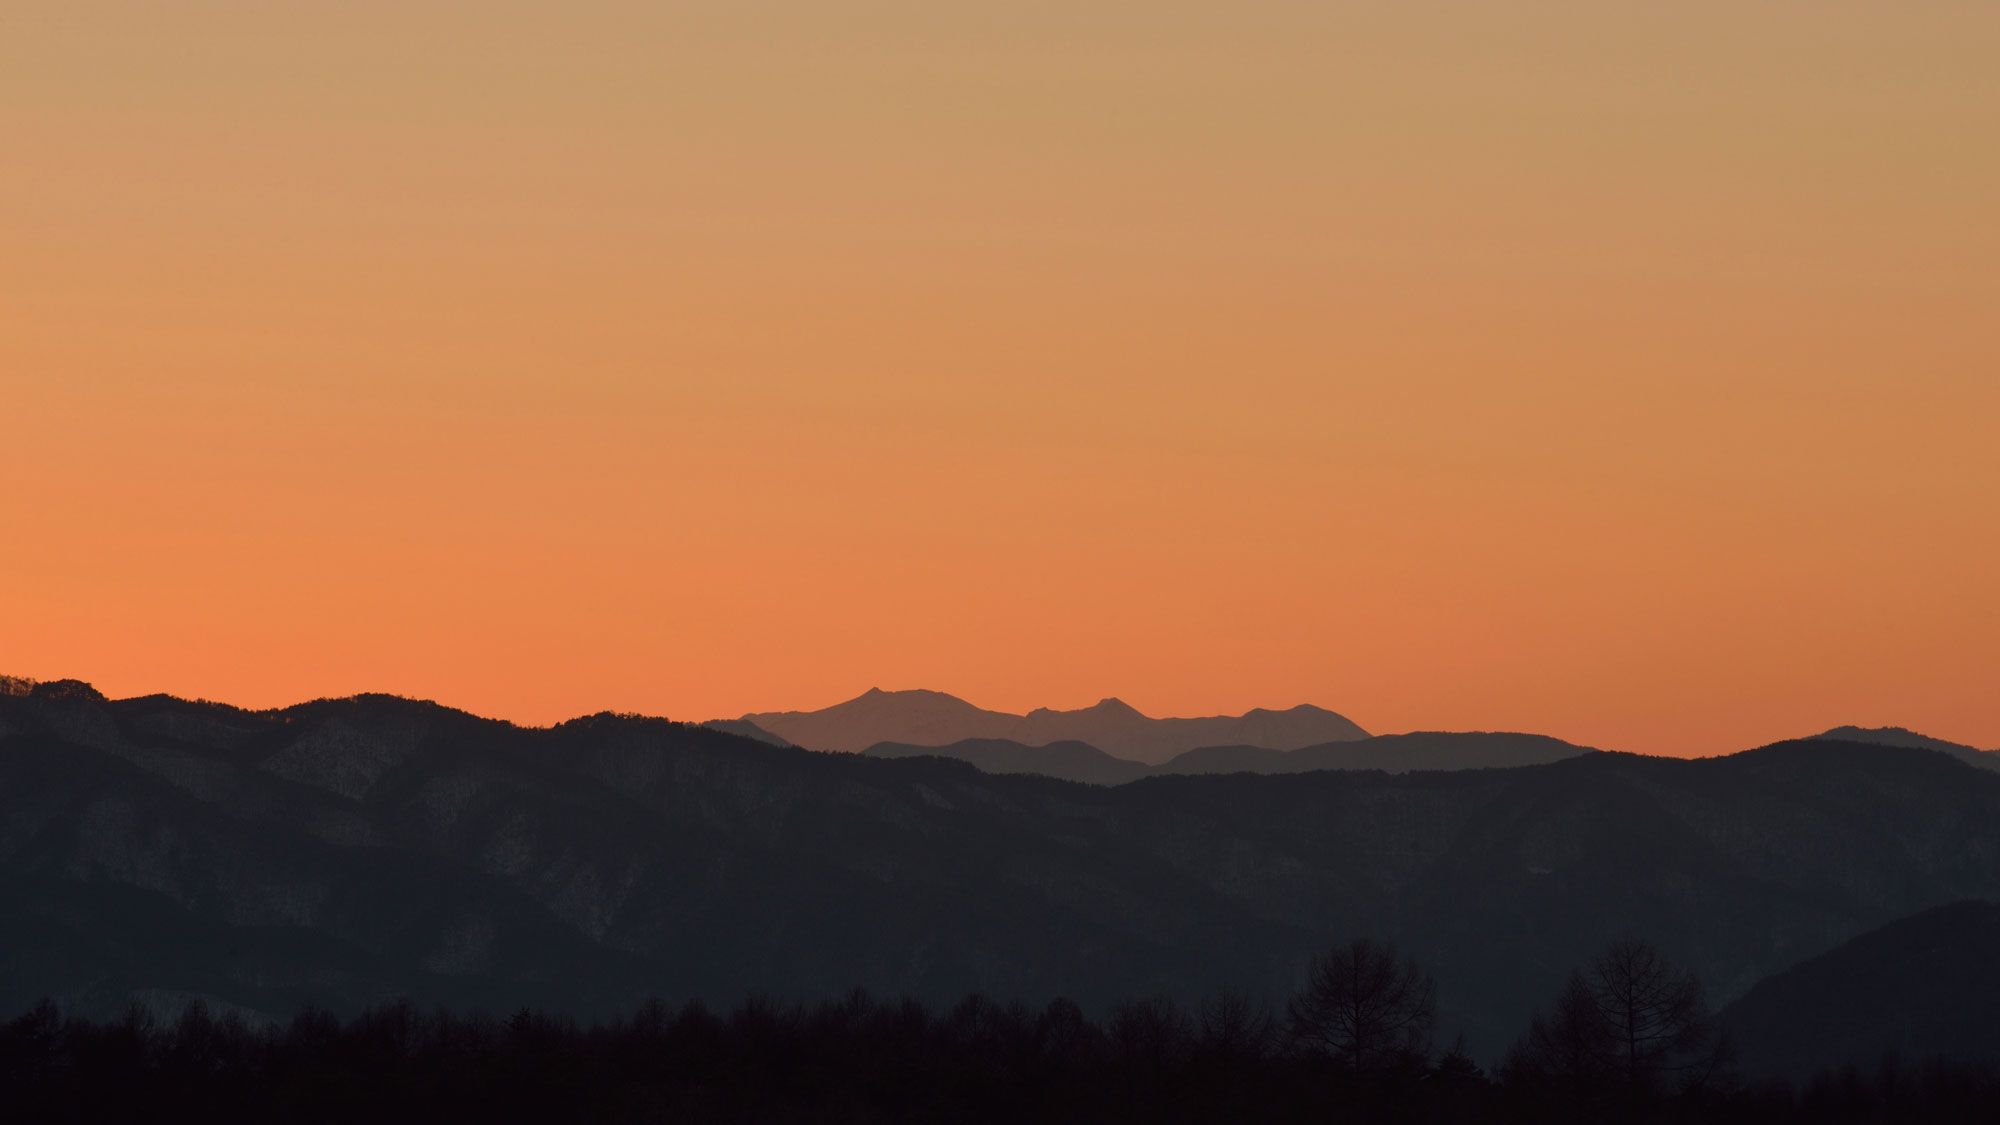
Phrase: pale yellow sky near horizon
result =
(1626, 372)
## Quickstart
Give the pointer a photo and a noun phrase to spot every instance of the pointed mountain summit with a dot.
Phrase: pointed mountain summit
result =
(1110, 708)
(918, 718)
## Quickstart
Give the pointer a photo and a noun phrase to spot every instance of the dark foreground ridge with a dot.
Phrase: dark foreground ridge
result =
(1925, 986)
(344, 853)
(857, 1060)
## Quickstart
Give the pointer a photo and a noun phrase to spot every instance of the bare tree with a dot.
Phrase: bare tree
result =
(1367, 1006)
(1630, 1018)
(1655, 1011)
(1230, 1028)
(1570, 1043)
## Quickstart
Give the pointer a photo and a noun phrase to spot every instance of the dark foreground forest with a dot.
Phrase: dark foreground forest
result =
(1629, 1039)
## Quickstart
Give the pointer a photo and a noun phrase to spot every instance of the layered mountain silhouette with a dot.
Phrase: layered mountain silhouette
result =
(1390, 753)
(933, 718)
(345, 852)
(1070, 761)
(745, 729)
(1922, 987)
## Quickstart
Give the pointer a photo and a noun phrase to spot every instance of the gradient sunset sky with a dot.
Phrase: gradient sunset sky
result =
(1628, 372)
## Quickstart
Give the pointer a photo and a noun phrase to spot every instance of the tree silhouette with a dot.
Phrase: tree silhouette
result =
(1656, 1012)
(1230, 1028)
(856, 1059)
(1631, 1019)
(1572, 1039)
(1366, 1006)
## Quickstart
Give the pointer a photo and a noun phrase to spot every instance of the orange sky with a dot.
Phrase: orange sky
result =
(1624, 371)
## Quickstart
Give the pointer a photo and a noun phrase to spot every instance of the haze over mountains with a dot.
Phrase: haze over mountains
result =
(1111, 743)
(933, 718)
(1390, 753)
(349, 851)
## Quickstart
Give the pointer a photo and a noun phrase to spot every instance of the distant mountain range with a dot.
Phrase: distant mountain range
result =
(1923, 987)
(349, 851)
(1073, 760)
(932, 718)
(1390, 753)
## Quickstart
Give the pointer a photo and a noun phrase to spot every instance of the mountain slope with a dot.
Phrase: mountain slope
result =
(1898, 736)
(345, 851)
(743, 728)
(1922, 986)
(931, 718)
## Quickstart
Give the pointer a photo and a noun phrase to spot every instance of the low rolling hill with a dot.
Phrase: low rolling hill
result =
(1898, 736)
